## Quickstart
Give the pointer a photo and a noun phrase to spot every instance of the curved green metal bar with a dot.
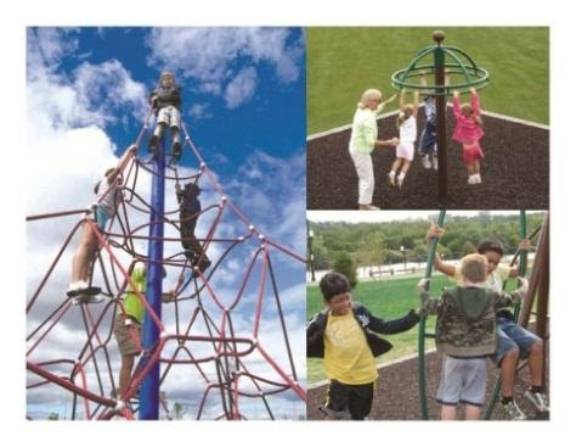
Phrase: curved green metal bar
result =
(462, 53)
(422, 328)
(411, 66)
(399, 77)
(522, 266)
(474, 75)
(459, 62)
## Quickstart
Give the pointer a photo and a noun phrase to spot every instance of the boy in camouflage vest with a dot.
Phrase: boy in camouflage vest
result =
(466, 333)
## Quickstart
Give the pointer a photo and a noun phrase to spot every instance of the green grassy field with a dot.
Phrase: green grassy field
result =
(343, 62)
(388, 299)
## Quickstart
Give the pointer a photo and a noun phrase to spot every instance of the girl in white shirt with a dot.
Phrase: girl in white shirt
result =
(406, 123)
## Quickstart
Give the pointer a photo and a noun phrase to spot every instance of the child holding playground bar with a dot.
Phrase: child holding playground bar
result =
(514, 341)
(466, 336)
(343, 335)
(468, 131)
(406, 123)
(427, 147)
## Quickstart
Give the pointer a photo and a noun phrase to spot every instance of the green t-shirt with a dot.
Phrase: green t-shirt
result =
(132, 303)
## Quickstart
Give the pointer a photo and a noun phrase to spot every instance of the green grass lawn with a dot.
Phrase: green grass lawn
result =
(388, 299)
(343, 62)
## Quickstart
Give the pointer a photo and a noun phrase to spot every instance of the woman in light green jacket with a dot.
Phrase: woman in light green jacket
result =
(364, 140)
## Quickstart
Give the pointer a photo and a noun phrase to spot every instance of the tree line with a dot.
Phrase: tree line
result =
(393, 242)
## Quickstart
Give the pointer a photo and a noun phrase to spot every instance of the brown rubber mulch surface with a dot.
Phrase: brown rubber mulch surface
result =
(397, 397)
(515, 171)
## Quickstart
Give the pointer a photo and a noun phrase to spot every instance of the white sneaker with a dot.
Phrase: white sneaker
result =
(400, 180)
(435, 162)
(538, 400)
(514, 412)
(471, 180)
(426, 162)
(392, 178)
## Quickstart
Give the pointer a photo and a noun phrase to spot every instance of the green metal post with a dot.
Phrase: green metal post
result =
(523, 261)
(422, 328)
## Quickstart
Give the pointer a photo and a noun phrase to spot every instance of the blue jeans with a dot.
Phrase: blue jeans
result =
(513, 336)
(101, 217)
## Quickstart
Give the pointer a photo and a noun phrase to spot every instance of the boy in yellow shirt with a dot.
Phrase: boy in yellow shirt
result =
(343, 334)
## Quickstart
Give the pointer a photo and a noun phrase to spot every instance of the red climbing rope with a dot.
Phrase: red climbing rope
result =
(209, 331)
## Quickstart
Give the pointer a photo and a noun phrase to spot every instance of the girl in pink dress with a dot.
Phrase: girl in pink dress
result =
(468, 132)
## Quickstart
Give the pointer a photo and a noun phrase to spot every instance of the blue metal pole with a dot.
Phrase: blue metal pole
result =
(149, 391)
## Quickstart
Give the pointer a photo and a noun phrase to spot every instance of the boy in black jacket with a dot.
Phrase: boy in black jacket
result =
(343, 335)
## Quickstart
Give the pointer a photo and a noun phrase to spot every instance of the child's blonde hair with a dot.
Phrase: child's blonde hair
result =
(406, 112)
(167, 74)
(474, 268)
(369, 95)
(106, 174)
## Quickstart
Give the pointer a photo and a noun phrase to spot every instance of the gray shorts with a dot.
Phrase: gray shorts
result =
(463, 381)
(170, 116)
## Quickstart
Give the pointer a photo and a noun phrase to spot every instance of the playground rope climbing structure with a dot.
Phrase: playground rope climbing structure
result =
(222, 344)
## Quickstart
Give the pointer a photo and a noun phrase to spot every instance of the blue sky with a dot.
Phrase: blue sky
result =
(244, 106)
(268, 113)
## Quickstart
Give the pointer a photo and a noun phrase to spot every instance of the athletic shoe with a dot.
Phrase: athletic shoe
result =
(177, 150)
(514, 412)
(204, 264)
(435, 162)
(426, 162)
(392, 178)
(153, 143)
(87, 299)
(538, 400)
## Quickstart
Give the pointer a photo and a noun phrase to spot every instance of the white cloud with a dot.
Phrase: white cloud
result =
(107, 87)
(211, 56)
(47, 46)
(241, 88)
(272, 190)
(200, 111)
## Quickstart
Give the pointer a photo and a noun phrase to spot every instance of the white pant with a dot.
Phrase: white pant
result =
(363, 164)
(170, 116)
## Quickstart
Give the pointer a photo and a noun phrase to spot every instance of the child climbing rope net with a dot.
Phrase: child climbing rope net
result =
(224, 347)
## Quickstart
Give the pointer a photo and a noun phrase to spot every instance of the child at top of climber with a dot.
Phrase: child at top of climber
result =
(166, 101)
